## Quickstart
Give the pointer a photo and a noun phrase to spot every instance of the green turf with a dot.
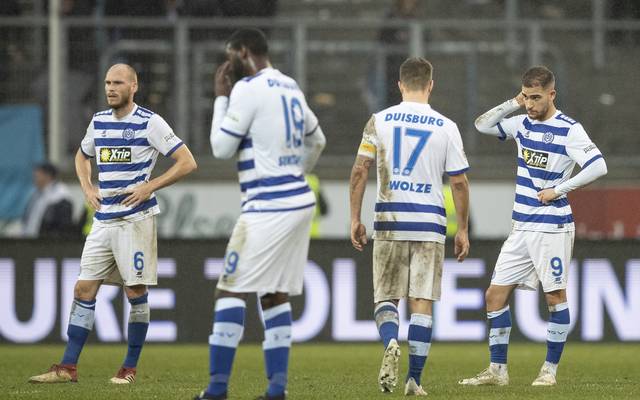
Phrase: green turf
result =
(325, 371)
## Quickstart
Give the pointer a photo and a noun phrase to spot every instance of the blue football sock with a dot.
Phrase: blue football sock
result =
(387, 321)
(228, 326)
(137, 330)
(419, 344)
(557, 331)
(80, 324)
(276, 345)
(499, 331)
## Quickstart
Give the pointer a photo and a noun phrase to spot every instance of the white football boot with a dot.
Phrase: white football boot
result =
(490, 376)
(411, 388)
(546, 377)
(388, 376)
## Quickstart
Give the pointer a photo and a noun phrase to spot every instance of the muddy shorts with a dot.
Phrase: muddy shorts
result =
(407, 269)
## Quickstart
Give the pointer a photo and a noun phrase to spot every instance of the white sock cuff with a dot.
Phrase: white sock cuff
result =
(275, 311)
(421, 320)
(493, 314)
(559, 307)
(279, 336)
(385, 304)
(226, 334)
(224, 303)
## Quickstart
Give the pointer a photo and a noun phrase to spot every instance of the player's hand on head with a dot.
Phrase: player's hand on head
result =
(137, 195)
(93, 197)
(358, 235)
(546, 196)
(223, 83)
(461, 245)
(520, 99)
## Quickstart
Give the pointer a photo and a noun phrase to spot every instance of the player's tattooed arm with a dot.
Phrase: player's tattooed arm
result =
(83, 170)
(358, 184)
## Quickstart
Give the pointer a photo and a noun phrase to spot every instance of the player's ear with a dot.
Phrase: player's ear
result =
(430, 86)
(552, 94)
(401, 87)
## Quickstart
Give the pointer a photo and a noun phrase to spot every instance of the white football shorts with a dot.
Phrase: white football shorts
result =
(121, 254)
(529, 257)
(403, 268)
(267, 253)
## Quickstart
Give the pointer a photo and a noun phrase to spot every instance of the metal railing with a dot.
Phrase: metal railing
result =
(300, 43)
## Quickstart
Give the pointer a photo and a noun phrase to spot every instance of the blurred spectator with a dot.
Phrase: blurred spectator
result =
(387, 92)
(9, 7)
(49, 211)
(322, 207)
(623, 9)
(248, 8)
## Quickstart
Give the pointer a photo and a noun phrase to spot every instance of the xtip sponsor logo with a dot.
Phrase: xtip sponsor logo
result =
(537, 159)
(115, 154)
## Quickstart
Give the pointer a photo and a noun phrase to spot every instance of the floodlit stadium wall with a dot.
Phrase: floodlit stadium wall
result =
(37, 278)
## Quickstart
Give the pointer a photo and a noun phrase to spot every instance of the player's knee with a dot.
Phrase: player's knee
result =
(491, 299)
(556, 297)
(273, 299)
(135, 291)
(420, 306)
(84, 291)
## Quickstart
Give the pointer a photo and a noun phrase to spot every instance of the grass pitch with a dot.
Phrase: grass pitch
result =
(325, 371)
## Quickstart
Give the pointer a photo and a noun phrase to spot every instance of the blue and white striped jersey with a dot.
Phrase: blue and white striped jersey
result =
(269, 112)
(127, 150)
(547, 154)
(414, 146)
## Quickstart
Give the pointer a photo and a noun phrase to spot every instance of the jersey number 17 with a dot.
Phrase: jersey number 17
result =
(422, 136)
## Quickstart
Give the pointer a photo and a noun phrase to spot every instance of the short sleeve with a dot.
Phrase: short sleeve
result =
(508, 127)
(88, 145)
(580, 147)
(241, 110)
(161, 136)
(369, 142)
(456, 162)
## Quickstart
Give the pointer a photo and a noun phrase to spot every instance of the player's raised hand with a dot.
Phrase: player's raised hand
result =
(461, 245)
(520, 99)
(93, 197)
(546, 196)
(137, 195)
(223, 83)
(358, 235)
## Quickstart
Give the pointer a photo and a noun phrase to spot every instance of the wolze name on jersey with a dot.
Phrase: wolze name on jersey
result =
(115, 154)
(410, 186)
(537, 159)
